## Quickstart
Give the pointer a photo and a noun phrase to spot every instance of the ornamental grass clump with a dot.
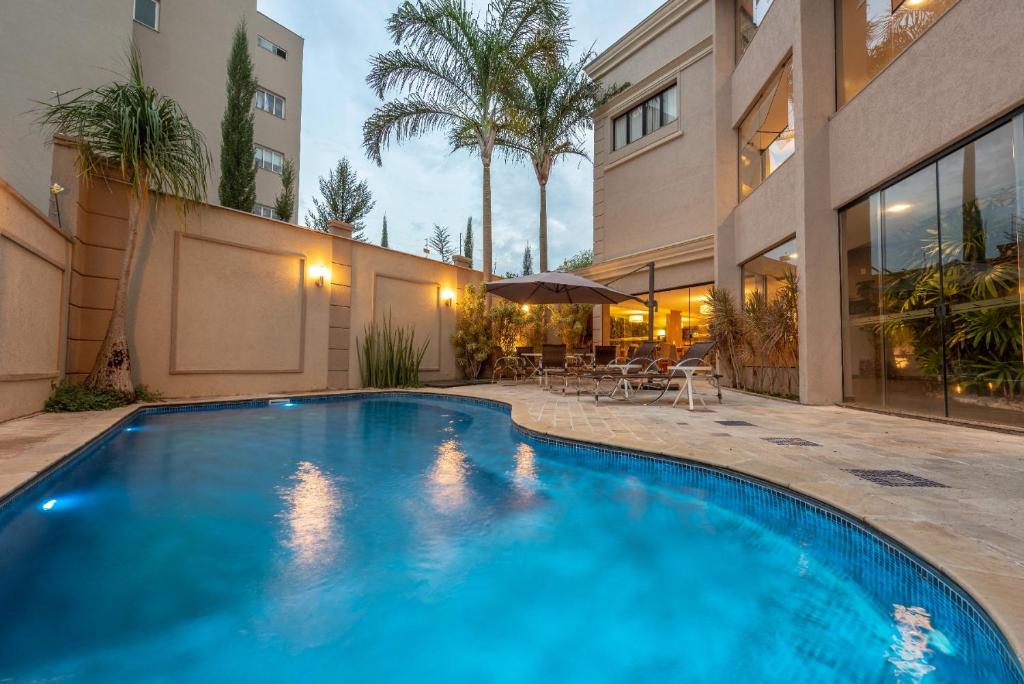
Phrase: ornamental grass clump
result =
(389, 355)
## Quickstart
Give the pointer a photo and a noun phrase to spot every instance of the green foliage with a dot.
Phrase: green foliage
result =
(129, 126)
(70, 397)
(441, 242)
(725, 325)
(507, 323)
(527, 261)
(570, 322)
(467, 246)
(284, 205)
(580, 259)
(536, 325)
(384, 233)
(237, 188)
(345, 198)
(472, 338)
(771, 333)
(447, 73)
(389, 356)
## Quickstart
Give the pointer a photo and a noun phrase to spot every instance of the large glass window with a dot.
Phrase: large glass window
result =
(749, 15)
(767, 133)
(644, 119)
(680, 321)
(872, 33)
(767, 273)
(932, 286)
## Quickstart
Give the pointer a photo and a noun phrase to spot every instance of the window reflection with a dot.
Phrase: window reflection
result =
(931, 273)
(749, 15)
(766, 274)
(872, 33)
(767, 134)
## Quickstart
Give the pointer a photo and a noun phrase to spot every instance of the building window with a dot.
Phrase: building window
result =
(271, 47)
(749, 15)
(269, 159)
(264, 211)
(872, 33)
(767, 135)
(680, 321)
(147, 12)
(644, 119)
(767, 273)
(269, 102)
(931, 270)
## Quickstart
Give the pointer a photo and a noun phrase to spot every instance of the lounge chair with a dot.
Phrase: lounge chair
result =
(684, 373)
(552, 362)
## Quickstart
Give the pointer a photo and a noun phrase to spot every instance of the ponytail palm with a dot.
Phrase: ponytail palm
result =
(130, 128)
(551, 104)
(449, 70)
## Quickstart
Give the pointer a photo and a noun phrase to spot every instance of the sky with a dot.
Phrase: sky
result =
(421, 182)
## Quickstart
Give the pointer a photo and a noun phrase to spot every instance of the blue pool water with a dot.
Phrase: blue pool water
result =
(398, 538)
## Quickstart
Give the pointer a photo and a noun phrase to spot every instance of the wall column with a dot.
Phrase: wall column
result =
(340, 334)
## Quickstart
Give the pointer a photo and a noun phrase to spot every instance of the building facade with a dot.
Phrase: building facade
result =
(52, 46)
(869, 151)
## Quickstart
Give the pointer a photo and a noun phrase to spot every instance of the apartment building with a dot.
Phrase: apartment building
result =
(55, 45)
(872, 149)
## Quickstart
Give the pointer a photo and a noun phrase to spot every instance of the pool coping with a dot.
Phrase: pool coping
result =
(1009, 628)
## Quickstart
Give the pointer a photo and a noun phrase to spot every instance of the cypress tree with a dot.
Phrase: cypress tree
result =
(527, 261)
(467, 247)
(345, 198)
(284, 205)
(384, 233)
(237, 188)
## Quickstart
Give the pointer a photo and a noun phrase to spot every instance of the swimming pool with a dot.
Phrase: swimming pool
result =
(398, 537)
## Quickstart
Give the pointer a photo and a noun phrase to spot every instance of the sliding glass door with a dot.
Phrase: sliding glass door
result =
(932, 287)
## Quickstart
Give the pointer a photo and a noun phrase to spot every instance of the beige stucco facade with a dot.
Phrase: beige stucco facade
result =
(960, 75)
(54, 45)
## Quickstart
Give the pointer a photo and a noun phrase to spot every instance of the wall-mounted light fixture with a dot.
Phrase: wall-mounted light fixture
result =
(447, 296)
(526, 308)
(320, 274)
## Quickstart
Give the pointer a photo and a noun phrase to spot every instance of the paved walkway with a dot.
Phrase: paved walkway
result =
(972, 527)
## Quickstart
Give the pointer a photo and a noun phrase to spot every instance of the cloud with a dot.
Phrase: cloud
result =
(421, 182)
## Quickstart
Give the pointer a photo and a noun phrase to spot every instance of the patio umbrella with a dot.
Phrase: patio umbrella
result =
(556, 287)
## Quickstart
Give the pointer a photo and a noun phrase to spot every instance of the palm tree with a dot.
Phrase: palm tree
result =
(551, 104)
(131, 129)
(450, 68)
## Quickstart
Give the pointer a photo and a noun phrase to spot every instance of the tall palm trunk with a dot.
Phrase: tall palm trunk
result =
(486, 148)
(543, 226)
(113, 368)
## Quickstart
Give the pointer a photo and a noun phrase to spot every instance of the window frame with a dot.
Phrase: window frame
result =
(272, 96)
(271, 47)
(156, 15)
(259, 154)
(265, 211)
(645, 107)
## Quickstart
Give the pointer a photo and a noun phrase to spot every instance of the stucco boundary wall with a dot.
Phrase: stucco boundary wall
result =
(35, 281)
(223, 302)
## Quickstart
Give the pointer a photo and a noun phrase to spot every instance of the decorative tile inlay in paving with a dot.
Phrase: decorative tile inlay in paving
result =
(895, 478)
(790, 441)
(735, 423)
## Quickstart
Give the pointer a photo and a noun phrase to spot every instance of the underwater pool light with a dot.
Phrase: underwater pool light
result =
(49, 504)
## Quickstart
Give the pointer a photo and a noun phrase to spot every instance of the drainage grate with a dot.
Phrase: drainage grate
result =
(735, 423)
(895, 478)
(790, 441)
(720, 434)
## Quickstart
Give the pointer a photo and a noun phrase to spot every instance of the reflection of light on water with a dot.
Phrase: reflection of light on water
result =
(910, 643)
(526, 470)
(448, 477)
(313, 505)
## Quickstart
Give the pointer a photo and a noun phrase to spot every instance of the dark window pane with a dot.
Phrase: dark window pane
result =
(862, 278)
(146, 12)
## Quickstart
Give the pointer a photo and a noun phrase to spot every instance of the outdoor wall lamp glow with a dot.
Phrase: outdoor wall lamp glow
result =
(320, 274)
(447, 296)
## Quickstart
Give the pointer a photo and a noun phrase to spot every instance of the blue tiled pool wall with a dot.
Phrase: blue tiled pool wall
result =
(847, 547)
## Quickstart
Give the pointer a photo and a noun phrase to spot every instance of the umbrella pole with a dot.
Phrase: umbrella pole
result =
(650, 302)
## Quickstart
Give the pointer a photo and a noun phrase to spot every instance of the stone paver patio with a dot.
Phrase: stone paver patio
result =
(972, 527)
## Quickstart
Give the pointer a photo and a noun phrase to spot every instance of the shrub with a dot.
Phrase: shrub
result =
(388, 355)
(472, 338)
(70, 397)
(507, 325)
(570, 320)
